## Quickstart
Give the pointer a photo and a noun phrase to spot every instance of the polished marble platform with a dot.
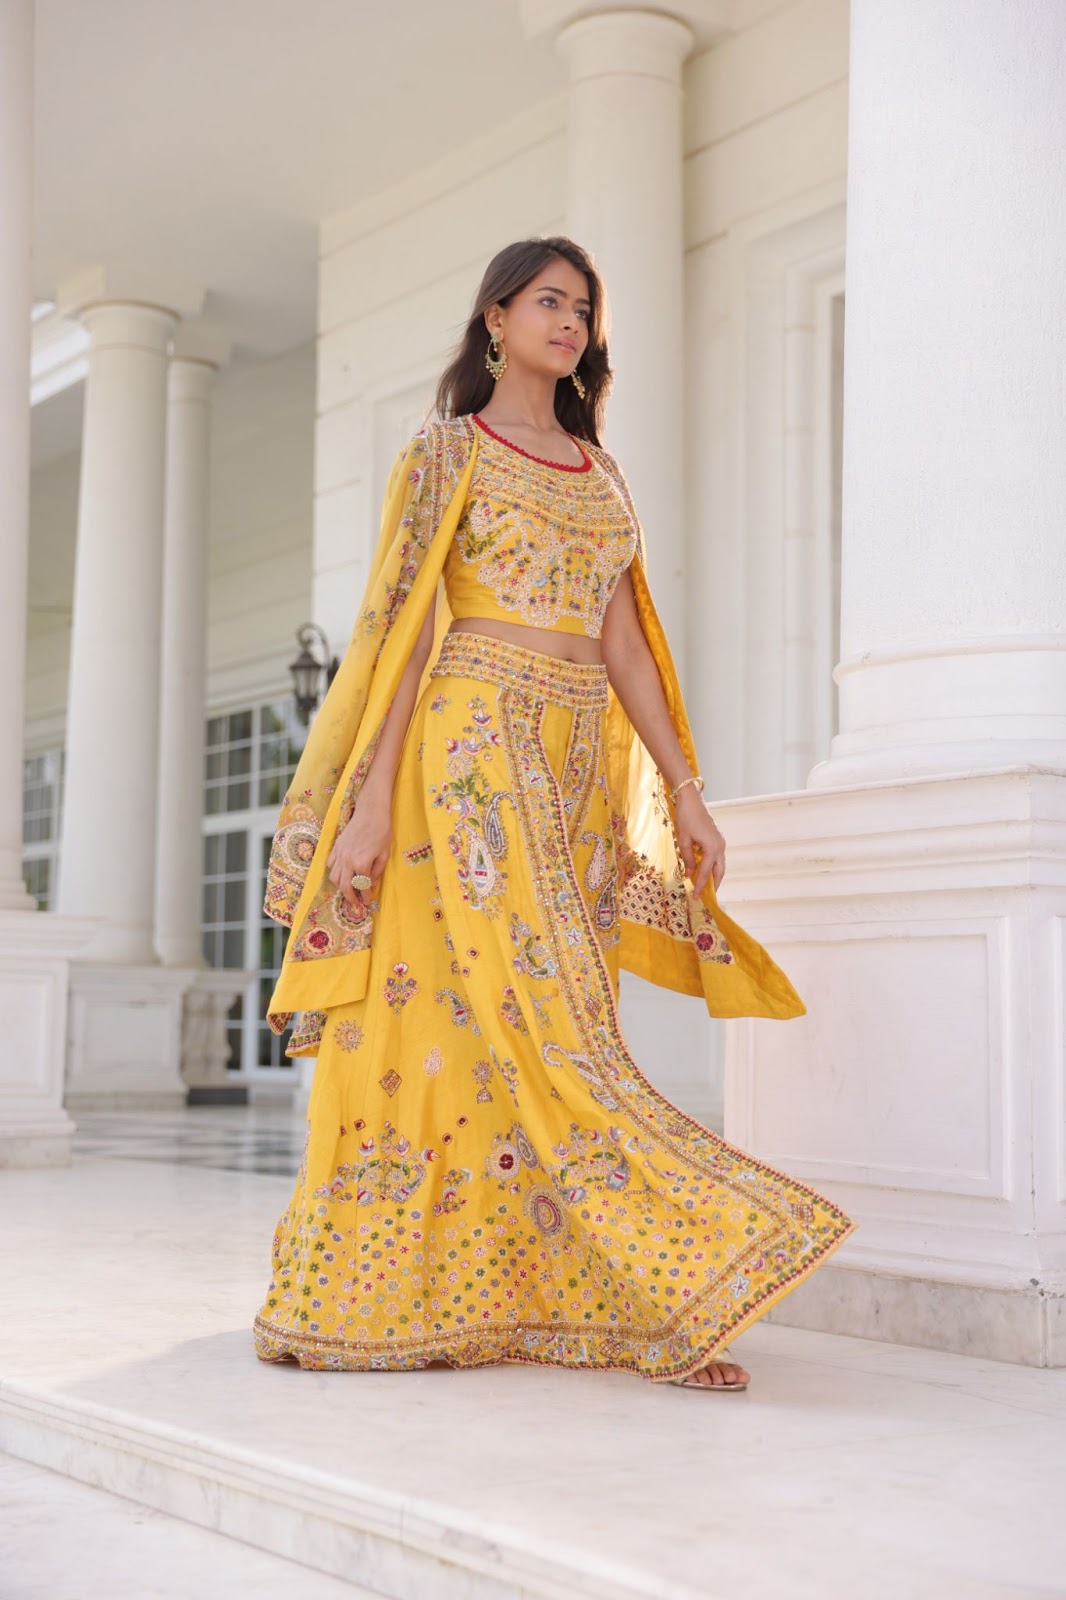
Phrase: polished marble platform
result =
(849, 1468)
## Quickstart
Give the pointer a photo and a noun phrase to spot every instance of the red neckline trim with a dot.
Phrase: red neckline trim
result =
(562, 466)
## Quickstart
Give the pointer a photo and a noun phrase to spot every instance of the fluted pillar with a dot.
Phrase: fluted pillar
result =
(953, 595)
(624, 204)
(107, 865)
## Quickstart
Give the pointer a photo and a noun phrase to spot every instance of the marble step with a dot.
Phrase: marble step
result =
(397, 1546)
(61, 1540)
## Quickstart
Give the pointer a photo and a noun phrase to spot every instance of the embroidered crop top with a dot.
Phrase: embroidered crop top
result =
(539, 542)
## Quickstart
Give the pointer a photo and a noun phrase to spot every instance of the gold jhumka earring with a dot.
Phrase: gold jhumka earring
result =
(493, 360)
(578, 385)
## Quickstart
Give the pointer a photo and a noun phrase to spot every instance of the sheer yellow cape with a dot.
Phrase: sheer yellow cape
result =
(667, 935)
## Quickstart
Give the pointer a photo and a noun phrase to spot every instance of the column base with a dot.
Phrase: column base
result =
(924, 925)
(1022, 1323)
(125, 1041)
(205, 1042)
(35, 951)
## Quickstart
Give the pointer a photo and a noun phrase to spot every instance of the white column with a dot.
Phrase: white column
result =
(953, 599)
(183, 677)
(107, 865)
(183, 694)
(915, 891)
(34, 948)
(624, 204)
(16, 156)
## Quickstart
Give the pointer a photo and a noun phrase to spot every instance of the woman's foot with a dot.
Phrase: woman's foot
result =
(717, 1375)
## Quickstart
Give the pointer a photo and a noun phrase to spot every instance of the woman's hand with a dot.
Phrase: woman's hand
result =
(363, 846)
(697, 832)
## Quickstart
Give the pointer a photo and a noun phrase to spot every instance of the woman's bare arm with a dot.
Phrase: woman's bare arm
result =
(635, 680)
(634, 677)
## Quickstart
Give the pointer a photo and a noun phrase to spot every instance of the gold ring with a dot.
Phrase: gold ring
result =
(360, 881)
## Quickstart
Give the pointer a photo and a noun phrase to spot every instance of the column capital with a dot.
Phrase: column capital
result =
(705, 22)
(194, 342)
(106, 284)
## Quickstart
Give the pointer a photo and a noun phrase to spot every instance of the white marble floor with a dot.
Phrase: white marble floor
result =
(849, 1468)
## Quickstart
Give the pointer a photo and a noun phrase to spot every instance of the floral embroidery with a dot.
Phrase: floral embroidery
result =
(478, 841)
(399, 988)
(508, 1072)
(534, 959)
(594, 1226)
(348, 1035)
(450, 1183)
(511, 1010)
(386, 1172)
(483, 1073)
(545, 546)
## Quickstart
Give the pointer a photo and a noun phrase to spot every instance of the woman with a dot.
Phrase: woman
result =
(498, 807)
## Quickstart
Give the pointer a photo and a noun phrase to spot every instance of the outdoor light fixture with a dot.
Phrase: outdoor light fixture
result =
(308, 669)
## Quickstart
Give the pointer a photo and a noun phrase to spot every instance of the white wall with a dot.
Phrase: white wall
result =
(262, 475)
(765, 173)
(397, 279)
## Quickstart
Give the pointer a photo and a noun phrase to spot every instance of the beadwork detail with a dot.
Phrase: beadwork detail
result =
(566, 683)
(539, 542)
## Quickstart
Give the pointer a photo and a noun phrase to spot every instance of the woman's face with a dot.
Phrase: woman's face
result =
(545, 327)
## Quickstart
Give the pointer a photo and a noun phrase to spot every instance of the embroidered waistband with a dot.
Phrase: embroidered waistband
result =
(564, 683)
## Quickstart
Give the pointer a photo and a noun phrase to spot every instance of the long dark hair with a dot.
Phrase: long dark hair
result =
(466, 383)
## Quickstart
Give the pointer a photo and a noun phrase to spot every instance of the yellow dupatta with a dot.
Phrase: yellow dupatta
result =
(667, 935)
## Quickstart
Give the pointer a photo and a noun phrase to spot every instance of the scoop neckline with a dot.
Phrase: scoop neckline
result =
(560, 466)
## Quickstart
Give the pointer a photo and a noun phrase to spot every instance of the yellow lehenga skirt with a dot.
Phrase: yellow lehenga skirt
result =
(488, 1175)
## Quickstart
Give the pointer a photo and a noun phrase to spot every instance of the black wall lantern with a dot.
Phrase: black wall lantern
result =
(309, 668)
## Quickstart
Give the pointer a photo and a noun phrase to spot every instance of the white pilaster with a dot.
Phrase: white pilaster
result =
(953, 598)
(624, 204)
(916, 890)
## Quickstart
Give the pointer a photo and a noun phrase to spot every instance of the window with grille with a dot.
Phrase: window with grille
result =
(249, 758)
(42, 793)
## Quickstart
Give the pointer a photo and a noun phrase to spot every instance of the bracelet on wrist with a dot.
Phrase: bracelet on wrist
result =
(676, 790)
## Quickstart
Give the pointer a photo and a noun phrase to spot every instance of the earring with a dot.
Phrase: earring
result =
(578, 385)
(493, 360)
